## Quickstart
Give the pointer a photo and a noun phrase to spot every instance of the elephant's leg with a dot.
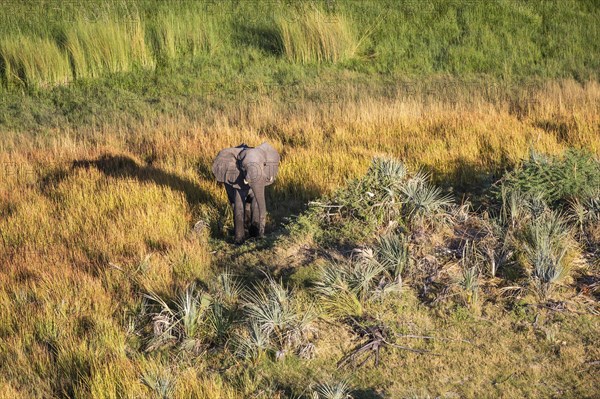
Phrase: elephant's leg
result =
(238, 214)
(254, 215)
(255, 226)
(247, 214)
(261, 207)
(230, 194)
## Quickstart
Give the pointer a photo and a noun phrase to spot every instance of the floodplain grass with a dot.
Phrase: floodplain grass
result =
(107, 46)
(91, 282)
(104, 179)
(317, 37)
(33, 62)
(182, 35)
(504, 39)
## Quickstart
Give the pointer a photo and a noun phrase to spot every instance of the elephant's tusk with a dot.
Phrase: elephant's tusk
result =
(245, 182)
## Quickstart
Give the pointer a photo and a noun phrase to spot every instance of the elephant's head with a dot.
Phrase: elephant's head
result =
(244, 167)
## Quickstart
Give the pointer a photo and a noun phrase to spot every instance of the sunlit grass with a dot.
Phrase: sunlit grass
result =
(107, 46)
(33, 62)
(81, 245)
(182, 35)
(315, 36)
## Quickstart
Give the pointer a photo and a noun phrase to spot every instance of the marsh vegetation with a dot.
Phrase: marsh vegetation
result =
(434, 230)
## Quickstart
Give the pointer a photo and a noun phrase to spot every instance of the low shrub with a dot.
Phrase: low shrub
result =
(556, 180)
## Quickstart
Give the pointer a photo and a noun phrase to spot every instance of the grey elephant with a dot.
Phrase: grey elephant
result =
(246, 171)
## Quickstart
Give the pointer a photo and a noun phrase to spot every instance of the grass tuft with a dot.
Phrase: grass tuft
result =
(181, 35)
(316, 36)
(107, 46)
(547, 244)
(33, 62)
(279, 315)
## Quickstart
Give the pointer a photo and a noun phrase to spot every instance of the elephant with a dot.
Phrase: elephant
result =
(245, 171)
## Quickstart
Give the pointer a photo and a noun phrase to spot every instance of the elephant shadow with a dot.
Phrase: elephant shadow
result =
(121, 166)
(283, 199)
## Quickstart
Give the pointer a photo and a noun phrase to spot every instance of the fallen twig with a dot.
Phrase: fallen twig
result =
(376, 339)
(434, 338)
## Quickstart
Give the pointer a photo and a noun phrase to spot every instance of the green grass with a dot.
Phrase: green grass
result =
(33, 62)
(503, 38)
(182, 35)
(558, 180)
(316, 37)
(107, 46)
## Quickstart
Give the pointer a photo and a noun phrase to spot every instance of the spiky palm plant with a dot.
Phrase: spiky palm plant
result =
(183, 319)
(425, 204)
(363, 278)
(337, 296)
(338, 390)
(227, 287)
(470, 261)
(191, 309)
(546, 243)
(586, 215)
(470, 283)
(219, 322)
(392, 253)
(388, 170)
(345, 288)
(278, 313)
(381, 188)
(160, 381)
(514, 207)
(252, 343)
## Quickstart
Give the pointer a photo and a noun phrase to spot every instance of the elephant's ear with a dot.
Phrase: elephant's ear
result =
(271, 162)
(225, 167)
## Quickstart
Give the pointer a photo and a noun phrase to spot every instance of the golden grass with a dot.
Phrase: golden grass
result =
(80, 244)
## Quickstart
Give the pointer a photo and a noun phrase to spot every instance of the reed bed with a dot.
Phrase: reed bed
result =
(33, 62)
(316, 37)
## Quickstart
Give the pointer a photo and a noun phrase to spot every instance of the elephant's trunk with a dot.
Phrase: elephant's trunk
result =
(259, 197)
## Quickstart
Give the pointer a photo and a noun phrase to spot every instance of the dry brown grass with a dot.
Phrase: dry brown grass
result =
(79, 244)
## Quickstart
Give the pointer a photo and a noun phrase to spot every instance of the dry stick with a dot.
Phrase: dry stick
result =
(430, 337)
(375, 345)
(411, 349)
(593, 363)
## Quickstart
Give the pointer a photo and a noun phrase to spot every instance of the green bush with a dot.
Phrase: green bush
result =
(556, 180)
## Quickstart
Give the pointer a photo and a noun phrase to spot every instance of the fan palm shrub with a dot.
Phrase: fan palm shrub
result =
(470, 263)
(556, 180)
(425, 204)
(280, 315)
(339, 390)
(548, 250)
(345, 288)
(392, 253)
